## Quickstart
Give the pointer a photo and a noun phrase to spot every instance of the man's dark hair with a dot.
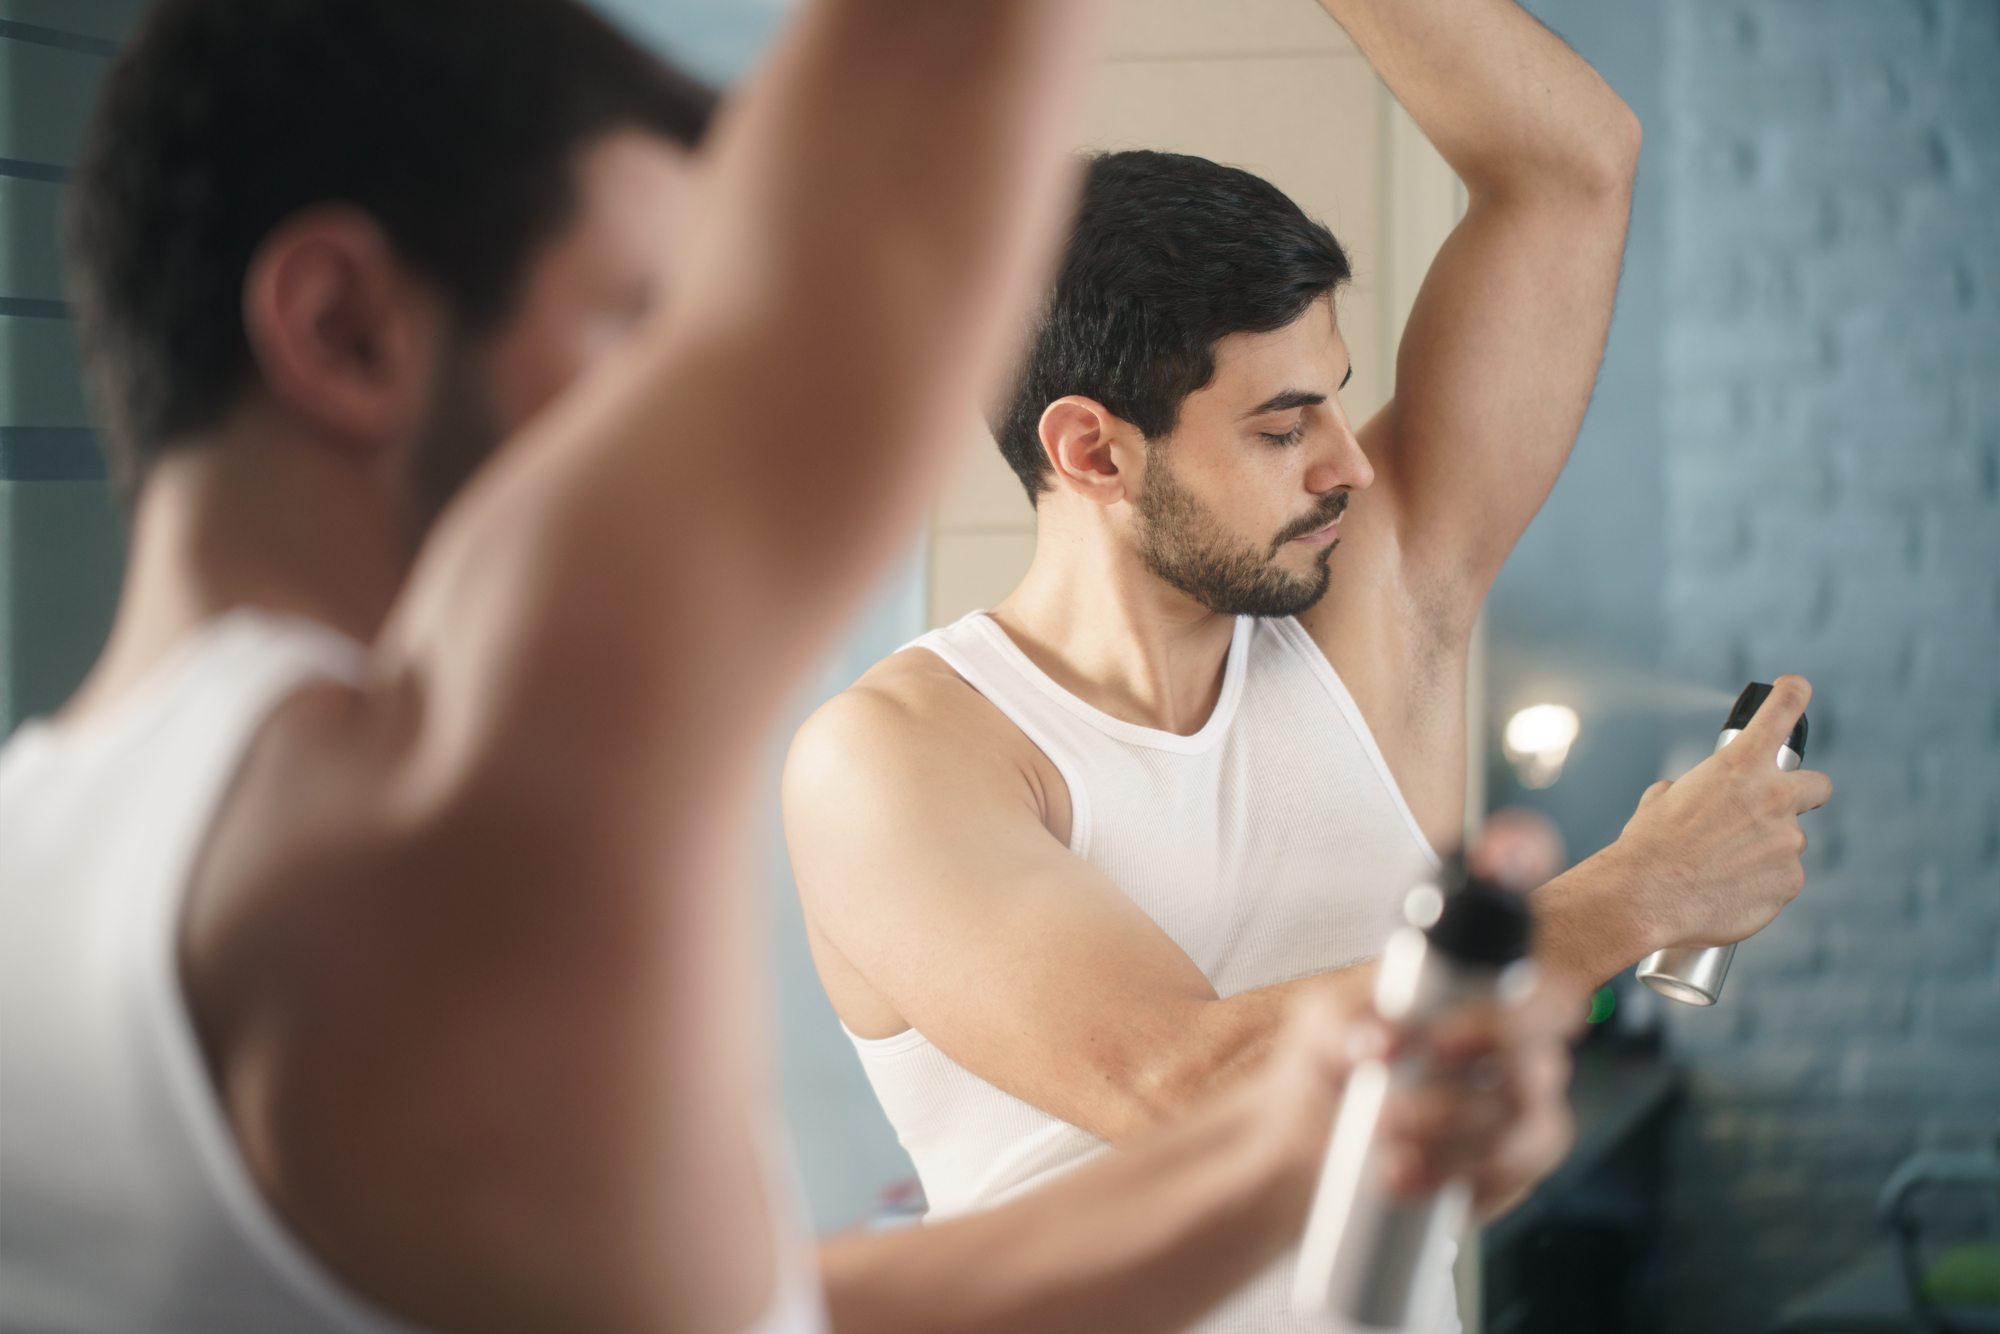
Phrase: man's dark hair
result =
(1168, 254)
(456, 124)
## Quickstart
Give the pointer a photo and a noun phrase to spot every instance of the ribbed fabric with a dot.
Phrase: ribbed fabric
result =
(128, 1207)
(1272, 844)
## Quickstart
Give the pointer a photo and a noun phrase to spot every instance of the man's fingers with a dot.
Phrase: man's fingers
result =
(1445, 1130)
(1778, 715)
(1556, 1009)
(1471, 1033)
(1811, 790)
(1538, 1144)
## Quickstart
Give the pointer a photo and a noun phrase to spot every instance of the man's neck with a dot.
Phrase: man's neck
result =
(1113, 633)
(253, 515)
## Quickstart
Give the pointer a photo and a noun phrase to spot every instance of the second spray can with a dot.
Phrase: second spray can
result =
(1364, 1246)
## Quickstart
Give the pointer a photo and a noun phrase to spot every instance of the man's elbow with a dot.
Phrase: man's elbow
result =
(1592, 162)
(1608, 154)
(1624, 136)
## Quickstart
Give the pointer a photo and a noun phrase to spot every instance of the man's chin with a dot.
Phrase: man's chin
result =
(1270, 602)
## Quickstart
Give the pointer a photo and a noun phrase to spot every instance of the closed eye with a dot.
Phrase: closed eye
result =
(1290, 437)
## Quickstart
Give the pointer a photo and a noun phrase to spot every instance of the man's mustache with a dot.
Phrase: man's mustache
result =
(1330, 509)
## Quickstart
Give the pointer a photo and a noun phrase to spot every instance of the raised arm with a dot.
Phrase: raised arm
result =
(1495, 367)
(1493, 376)
(492, 962)
(875, 213)
(1503, 344)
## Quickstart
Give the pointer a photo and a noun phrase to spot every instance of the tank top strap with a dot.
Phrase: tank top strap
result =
(968, 646)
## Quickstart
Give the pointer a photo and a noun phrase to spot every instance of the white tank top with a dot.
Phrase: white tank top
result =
(127, 1206)
(1272, 844)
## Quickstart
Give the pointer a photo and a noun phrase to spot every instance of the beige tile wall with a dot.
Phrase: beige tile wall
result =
(1273, 86)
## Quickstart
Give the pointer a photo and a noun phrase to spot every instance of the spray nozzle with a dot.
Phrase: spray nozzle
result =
(1471, 918)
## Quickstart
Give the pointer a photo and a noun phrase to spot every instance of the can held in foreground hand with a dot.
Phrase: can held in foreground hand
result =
(1365, 1246)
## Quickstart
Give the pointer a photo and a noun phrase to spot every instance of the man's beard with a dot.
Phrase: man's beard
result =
(1184, 544)
(460, 432)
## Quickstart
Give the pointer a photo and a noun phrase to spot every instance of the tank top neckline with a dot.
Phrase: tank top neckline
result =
(1235, 669)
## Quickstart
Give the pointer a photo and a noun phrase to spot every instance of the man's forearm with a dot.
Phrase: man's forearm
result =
(1502, 98)
(1222, 1044)
(1140, 1241)
(1589, 922)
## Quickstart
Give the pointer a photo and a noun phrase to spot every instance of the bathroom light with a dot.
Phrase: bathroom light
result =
(1538, 739)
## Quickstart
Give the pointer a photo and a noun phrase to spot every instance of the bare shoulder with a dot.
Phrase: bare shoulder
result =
(909, 707)
(913, 726)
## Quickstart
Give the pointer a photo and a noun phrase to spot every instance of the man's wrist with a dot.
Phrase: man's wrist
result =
(1590, 922)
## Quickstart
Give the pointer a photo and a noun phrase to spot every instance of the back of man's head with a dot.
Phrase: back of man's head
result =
(456, 124)
(1168, 254)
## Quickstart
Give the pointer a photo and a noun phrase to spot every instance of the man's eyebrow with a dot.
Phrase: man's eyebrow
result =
(1290, 398)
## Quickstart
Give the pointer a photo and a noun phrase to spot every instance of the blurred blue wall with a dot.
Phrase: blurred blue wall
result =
(1832, 488)
(1793, 464)
(717, 39)
(60, 544)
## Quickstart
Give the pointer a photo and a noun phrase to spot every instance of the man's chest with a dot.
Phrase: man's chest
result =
(1282, 851)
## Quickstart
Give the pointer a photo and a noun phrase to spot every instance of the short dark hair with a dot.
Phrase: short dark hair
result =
(456, 124)
(1167, 255)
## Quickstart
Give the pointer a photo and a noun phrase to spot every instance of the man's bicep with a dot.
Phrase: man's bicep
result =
(1015, 957)
(1493, 374)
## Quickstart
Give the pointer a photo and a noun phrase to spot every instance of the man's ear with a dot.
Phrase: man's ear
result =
(343, 334)
(1088, 447)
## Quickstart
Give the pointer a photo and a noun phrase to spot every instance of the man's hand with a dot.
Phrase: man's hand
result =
(1719, 849)
(1495, 1110)
(1706, 860)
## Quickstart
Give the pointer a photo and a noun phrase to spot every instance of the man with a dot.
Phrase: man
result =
(1065, 864)
(373, 935)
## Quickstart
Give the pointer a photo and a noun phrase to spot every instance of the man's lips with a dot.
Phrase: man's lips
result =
(1320, 537)
(1326, 534)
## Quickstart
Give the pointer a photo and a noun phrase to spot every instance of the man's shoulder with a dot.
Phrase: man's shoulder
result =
(908, 710)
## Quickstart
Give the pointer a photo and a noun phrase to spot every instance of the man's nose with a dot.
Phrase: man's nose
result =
(1342, 465)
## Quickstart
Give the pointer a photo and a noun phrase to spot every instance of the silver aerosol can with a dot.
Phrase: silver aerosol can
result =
(1694, 976)
(1363, 1246)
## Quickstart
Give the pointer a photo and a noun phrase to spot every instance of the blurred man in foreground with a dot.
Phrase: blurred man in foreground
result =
(374, 943)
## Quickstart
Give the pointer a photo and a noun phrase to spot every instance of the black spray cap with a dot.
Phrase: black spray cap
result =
(1481, 922)
(1747, 704)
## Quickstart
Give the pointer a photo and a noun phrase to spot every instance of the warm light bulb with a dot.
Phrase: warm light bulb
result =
(1538, 739)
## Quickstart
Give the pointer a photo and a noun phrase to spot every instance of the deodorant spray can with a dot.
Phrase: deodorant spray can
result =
(1363, 1247)
(1694, 976)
